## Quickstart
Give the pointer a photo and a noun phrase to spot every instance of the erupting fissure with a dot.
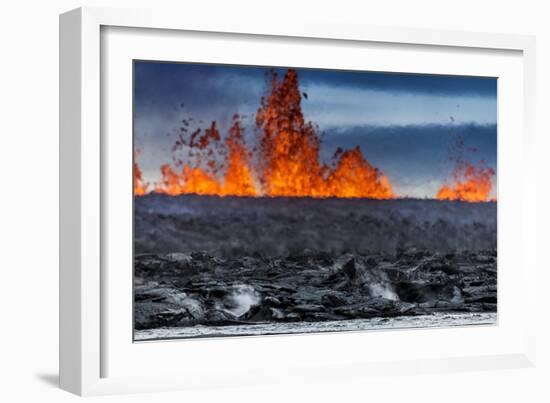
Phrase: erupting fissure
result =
(286, 159)
(285, 162)
(140, 186)
(470, 182)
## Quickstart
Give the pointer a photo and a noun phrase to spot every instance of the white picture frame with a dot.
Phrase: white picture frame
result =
(93, 346)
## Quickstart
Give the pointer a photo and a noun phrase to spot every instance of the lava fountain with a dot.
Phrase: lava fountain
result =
(140, 186)
(470, 183)
(286, 158)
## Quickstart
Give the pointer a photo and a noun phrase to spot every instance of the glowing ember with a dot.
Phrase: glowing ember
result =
(287, 161)
(470, 183)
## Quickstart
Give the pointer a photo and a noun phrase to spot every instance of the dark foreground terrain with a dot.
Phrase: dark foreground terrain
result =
(228, 266)
(175, 290)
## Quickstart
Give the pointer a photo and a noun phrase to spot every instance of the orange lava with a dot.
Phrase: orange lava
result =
(287, 160)
(238, 180)
(355, 177)
(140, 187)
(188, 180)
(289, 150)
(470, 183)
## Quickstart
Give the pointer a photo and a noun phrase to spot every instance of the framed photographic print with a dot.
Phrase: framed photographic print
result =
(380, 212)
(235, 200)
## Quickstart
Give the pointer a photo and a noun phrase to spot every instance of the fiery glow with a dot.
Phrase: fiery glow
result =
(287, 160)
(355, 177)
(140, 187)
(290, 153)
(289, 147)
(189, 180)
(238, 180)
(202, 178)
(470, 183)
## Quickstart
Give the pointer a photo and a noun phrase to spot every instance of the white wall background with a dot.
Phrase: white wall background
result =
(29, 201)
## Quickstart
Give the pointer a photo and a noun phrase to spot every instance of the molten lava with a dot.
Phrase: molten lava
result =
(470, 183)
(289, 149)
(355, 177)
(202, 178)
(188, 180)
(287, 160)
(238, 180)
(140, 187)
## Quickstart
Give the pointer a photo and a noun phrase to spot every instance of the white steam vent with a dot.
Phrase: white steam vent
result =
(383, 291)
(242, 299)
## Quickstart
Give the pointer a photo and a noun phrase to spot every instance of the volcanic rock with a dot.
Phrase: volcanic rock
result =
(174, 290)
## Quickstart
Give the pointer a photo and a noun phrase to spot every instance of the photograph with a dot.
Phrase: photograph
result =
(271, 200)
(235, 202)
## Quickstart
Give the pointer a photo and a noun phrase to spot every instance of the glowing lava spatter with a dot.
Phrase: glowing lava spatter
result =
(470, 183)
(286, 160)
(289, 147)
(140, 186)
(238, 180)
